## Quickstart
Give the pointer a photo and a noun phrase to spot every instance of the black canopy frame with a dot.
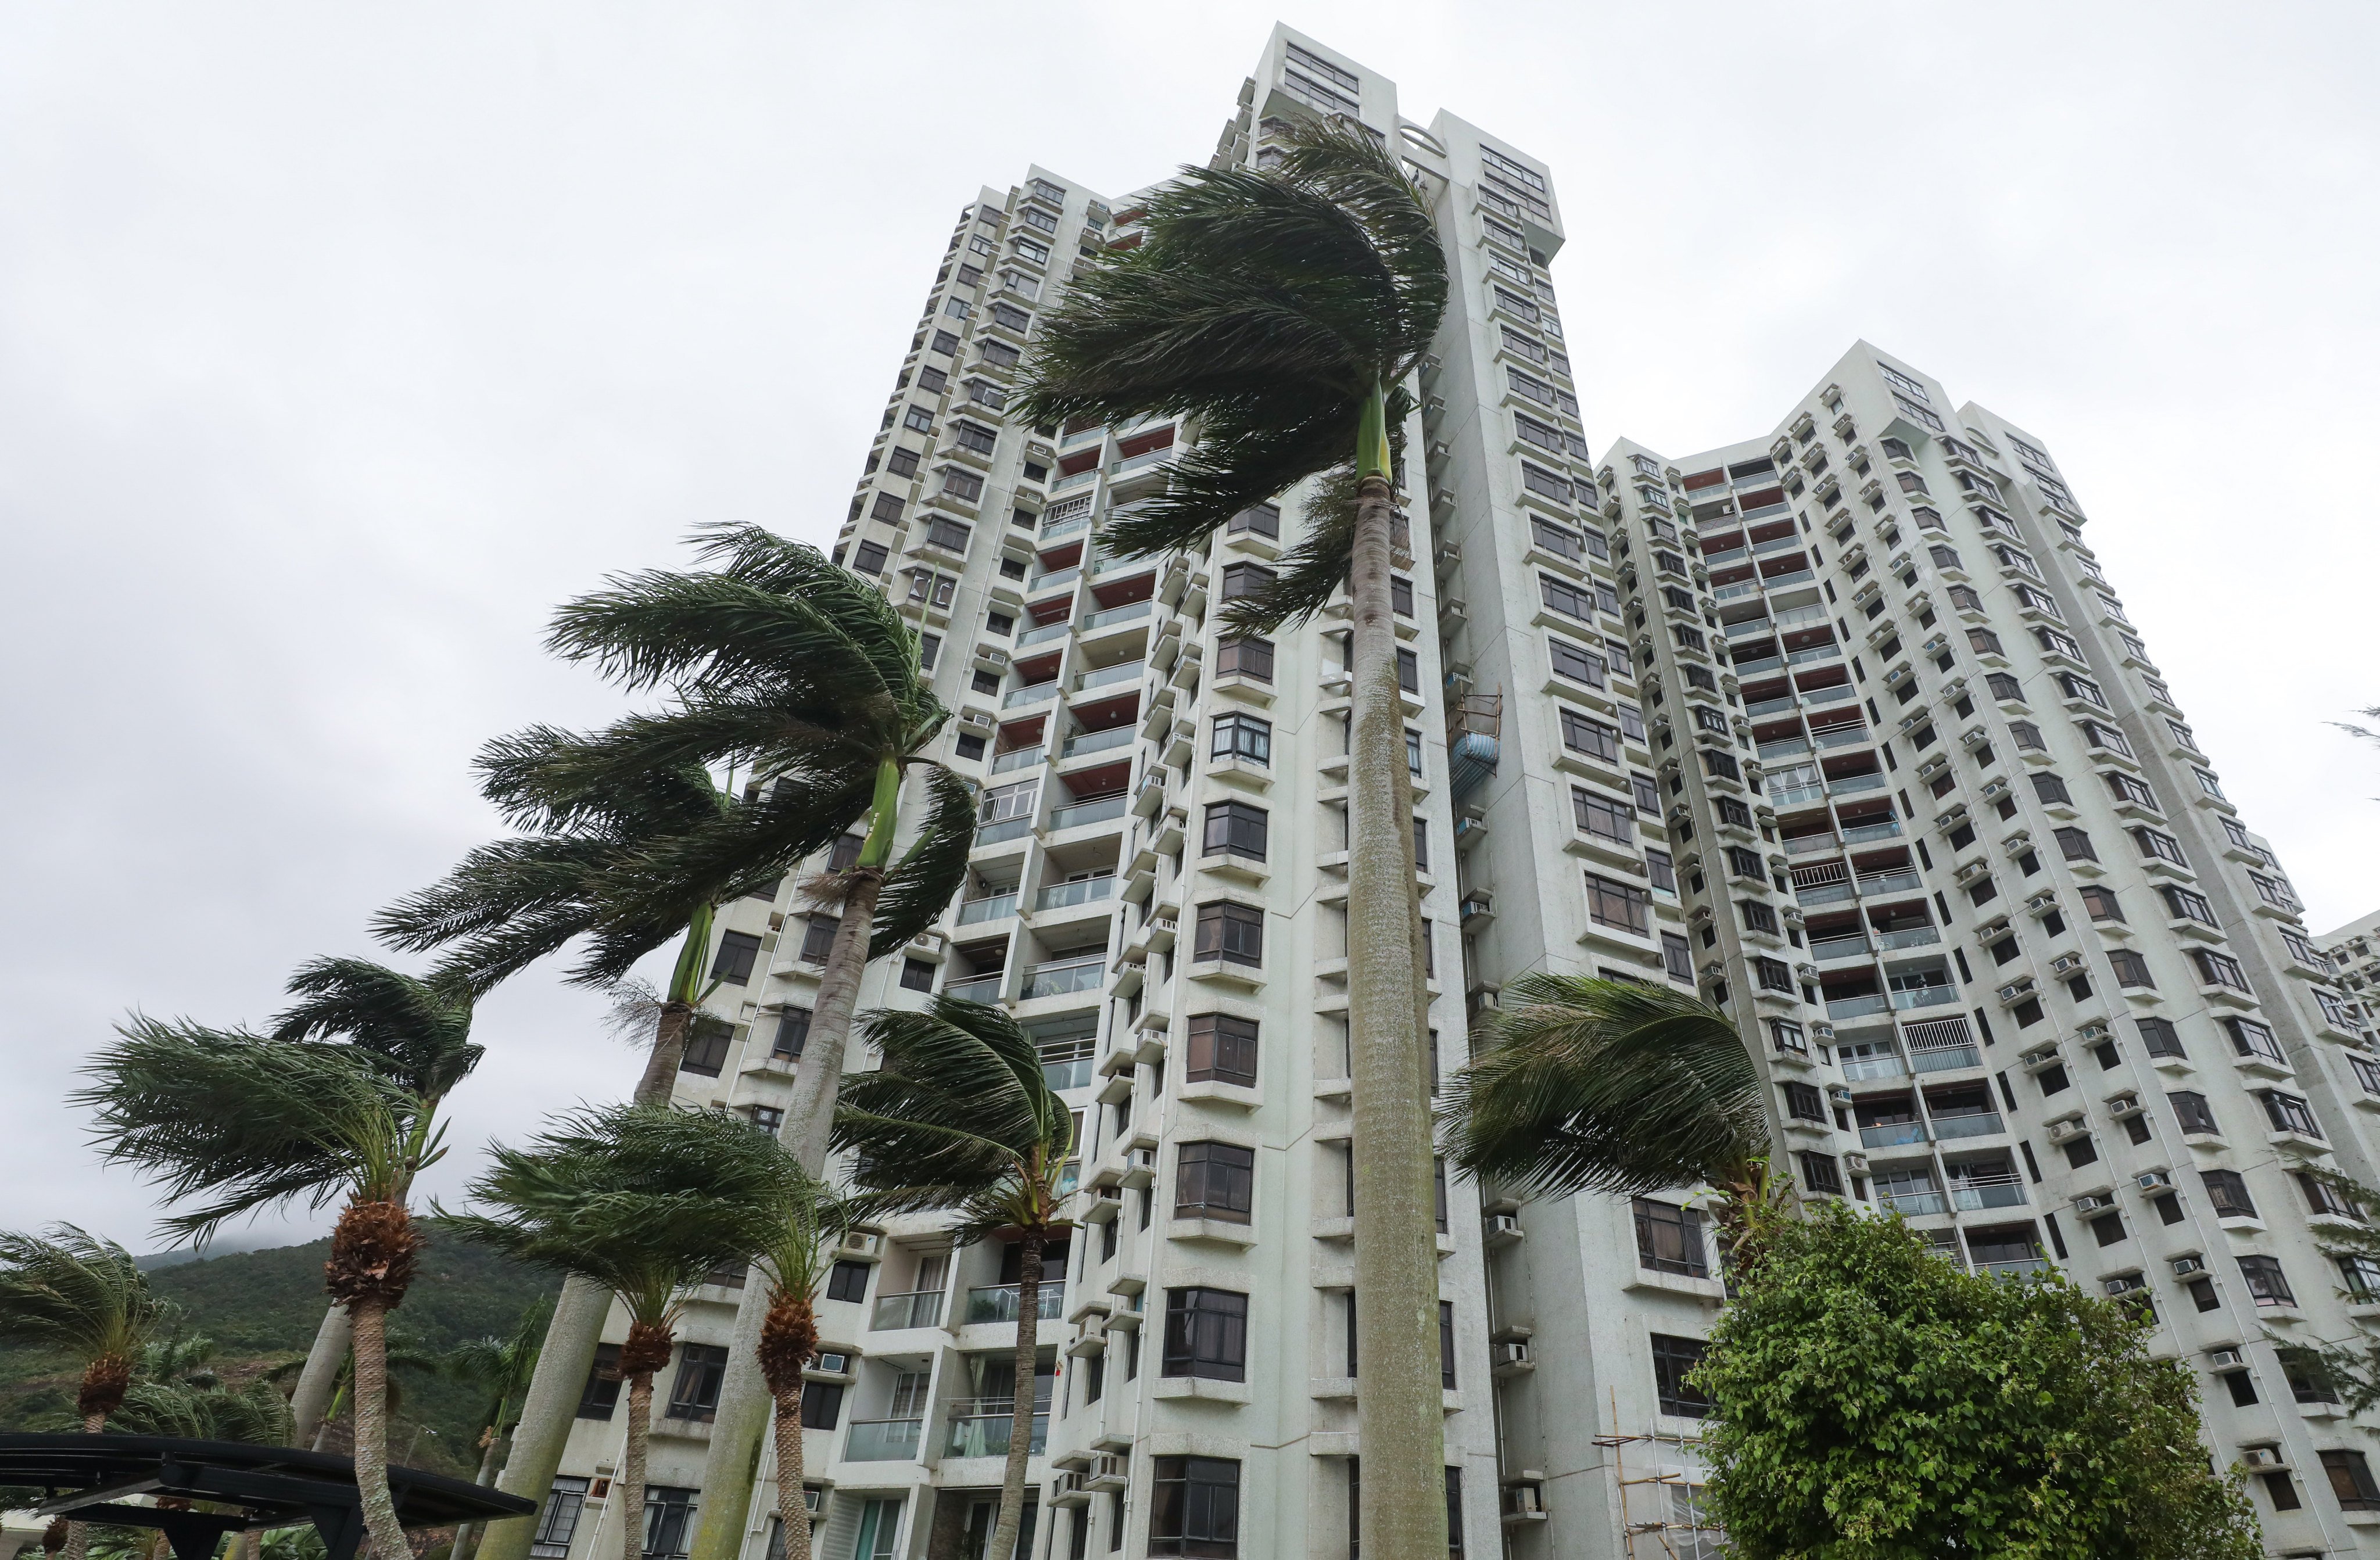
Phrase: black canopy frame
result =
(91, 1477)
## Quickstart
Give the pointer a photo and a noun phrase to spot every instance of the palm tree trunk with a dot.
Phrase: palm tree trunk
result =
(1020, 1417)
(309, 1405)
(628, 1488)
(78, 1533)
(793, 1501)
(733, 1458)
(371, 1431)
(1399, 1412)
(660, 1078)
(567, 1355)
(465, 1533)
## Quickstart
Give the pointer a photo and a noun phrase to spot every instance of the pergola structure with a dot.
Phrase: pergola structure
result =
(95, 1478)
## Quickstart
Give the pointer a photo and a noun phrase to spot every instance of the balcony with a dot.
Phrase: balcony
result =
(1851, 785)
(1924, 996)
(1114, 615)
(2019, 1267)
(1067, 526)
(998, 1302)
(1057, 896)
(1143, 460)
(1942, 1058)
(1006, 829)
(1020, 758)
(884, 1441)
(1018, 698)
(1911, 1203)
(1043, 635)
(1893, 1134)
(1995, 1192)
(982, 988)
(920, 1308)
(1074, 480)
(1055, 578)
(1066, 977)
(1815, 653)
(1844, 736)
(1095, 742)
(1851, 947)
(1862, 833)
(980, 1427)
(991, 907)
(1795, 795)
(1974, 1124)
(1083, 813)
(1108, 676)
(1903, 881)
(1859, 1007)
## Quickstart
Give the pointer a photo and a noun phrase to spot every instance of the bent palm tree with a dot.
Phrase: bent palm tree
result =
(960, 1116)
(1603, 1085)
(1284, 310)
(644, 1200)
(247, 1121)
(83, 1294)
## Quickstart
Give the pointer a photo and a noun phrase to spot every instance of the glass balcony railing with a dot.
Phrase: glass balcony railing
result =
(1023, 758)
(1141, 461)
(1884, 1065)
(1969, 1196)
(1006, 829)
(1074, 480)
(1858, 1007)
(1791, 576)
(920, 1308)
(986, 1434)
(1043, 635)
(1794, 796)
(1065, 978)
(1108, 676)
(1810, 844)
(1769, 707)
(1836, 694)
(1915, 937)
(1729, 592)
(1054, 579)
(1844, 736)
(1924, 996)
(1975, 1125)
(884, 1441)
(1083, 813)
(1838, 948)
(1886, 882)
(1067, 526)
(1019, 698)
(2020, 1267)
(1893, 1134)
(1095, 742)
(1851, 785)
(1862, 833)
(1911, 1203)
(1057, 896)
(983, 988)
(1114, 615)
(997, 1302)
(1815, 653)
(991, 907)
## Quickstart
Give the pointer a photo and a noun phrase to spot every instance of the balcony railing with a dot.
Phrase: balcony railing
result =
(1815, 653)
(1064, 978)
(1075, 479)
(984, 1434)
(1083, 813)
(1862, 833)
(1044, 634)
(983, 988)
(1914, 1203)
(1924, 996)
(1886, 1065)
(1851, 785)
(1057, 896)
(1893, 1134)
(1998, 1192)
(1054, 579)
(1114, 615)
(1142, 461)
(991, 907)
(2020, 1267)
(1835, 695)
(1858, 1007)
(1838, 948)
(1844, 736)
(1809, 844)
(920, 1308)
(1019, 758)
(1067, 526)
(1794, 796)
(1942, 1058)
(1021, 696)
(1095, 742)
(1888, 882)
(1006, 829)
(997, 1302)
(884, 1441)
(1107, 676)
(1973, 1125)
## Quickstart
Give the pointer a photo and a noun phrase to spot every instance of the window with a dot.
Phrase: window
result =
(1242, 736)
(1598, 815)
(602, 1393)
(1409, 671)
(2100, 903)
(2361, 1274)
(738, 951)
(1263, 520)
(2195, 1115)
(1248, 657)
(1669, 1239)
(1539, 480)
(2218, 969)
(847, 1281)
(1244, 581)
(559, 1522)
(2184, 905)
(1216, 1180)
(1236, 828)
(2075, 845)
(2272, 891)
(917, 418)
(1566, 598)
(1194, 1507)
(2227, 1193)
(669, 1521)
(1222, 1050)
(1623, 905)
(887, 508)
(1678, 959)
(2163, 847)
(2266, 1282)
(1206, 1334)
(2288, 1113)
(2250, 1038)
(946, 533)
(1591, 737)
(2026, 735)
(706, 1046)
(868, 558)
(2350, 1479)
(1576, 662)
(2127, 789)
(793, 1033)
(1820, 1174)
(2159, 1037)
(1234, 933)
(1774, 974)
(1983, 641)
(1673, 1358)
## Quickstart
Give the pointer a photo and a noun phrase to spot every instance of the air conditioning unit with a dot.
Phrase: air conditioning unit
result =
(1524, 1500)
(862, 1243)
(2067, 1130)
(2124, 1284)
(2065, 964)
(1855, 1163)
(1509, 1354)
(2153, 1180)
(1504, 1226)
(990, 658)
(2223, 1360)
(975, 718)
(2190, 1267)
(2123, 1105)
(1822, 1032)
(1141, 1159)
(2094, 1201)
(2039, 1058)
(2261, 1456)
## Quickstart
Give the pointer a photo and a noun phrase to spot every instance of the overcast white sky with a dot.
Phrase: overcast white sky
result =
(337, 343)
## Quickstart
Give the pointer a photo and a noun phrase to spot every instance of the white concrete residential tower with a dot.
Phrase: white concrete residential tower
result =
(1841, 727)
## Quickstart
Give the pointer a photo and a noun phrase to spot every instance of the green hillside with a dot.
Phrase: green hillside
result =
(262, 1307)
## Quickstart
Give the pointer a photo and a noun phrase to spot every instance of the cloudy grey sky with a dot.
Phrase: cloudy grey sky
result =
(338, 343)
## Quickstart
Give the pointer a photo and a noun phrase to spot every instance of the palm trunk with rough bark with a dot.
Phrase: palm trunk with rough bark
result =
(1399, 1415)
(788, 1341)
(309, 1405)
(567, 1354)
(793, 1503)
(1020, 1419)
(372, 1431)
(729, 1466)
(78, 1533)
(629, 1489)
(467, 1534)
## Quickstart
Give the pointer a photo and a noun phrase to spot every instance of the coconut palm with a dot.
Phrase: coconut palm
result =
(1283, 309)
(960, 1118)
(644, 1200)
(500, 1368)
(237, 1123)
(83, 1294)
(1612, 1086)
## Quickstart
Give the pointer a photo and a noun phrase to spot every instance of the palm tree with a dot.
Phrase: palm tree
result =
(1612, 1086)
(1284, 310)
(501, 1368)
(644, 1200)
(795, 1262)
(780, 664)
(960, 1116)
(81, 1293)
(247, 1121)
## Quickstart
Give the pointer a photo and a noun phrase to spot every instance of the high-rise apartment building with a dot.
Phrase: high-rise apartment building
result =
(1843, 728)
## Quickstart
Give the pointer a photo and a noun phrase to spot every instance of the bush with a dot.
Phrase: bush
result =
(1870, 1401)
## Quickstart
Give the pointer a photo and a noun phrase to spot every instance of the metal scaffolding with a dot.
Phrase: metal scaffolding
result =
(1660, 1506)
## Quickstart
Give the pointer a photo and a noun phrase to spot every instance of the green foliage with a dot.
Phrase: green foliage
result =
(1606, 1085)
(1873, 1402)
(75, 1292)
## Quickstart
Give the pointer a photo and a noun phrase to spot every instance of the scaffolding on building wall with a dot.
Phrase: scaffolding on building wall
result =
(1660, 1505)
